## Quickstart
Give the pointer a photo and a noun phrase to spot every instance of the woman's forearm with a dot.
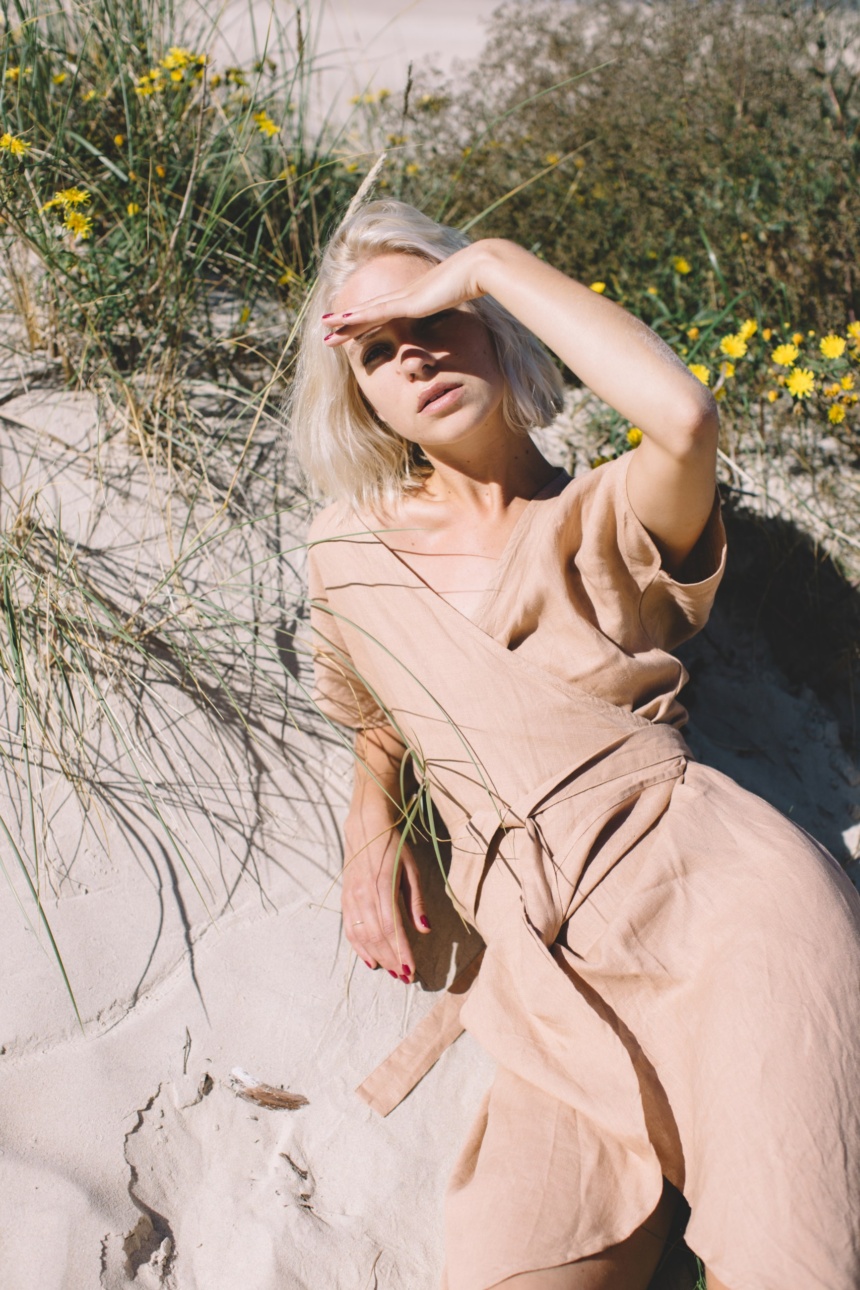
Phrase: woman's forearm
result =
(613, 353)
(376, 795)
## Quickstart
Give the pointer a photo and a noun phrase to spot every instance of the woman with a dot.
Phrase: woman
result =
(670, 980)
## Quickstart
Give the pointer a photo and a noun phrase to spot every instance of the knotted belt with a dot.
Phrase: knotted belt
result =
(638, 758)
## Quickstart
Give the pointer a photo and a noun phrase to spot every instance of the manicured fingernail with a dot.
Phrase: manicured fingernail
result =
(406, 968)
(425, 922)
(405, 979)
(346, 315)
(328, 336)
(394, 974)
(327, 316)
(370, 965)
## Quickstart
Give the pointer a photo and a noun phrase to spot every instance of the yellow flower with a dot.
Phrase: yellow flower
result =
(87, 96)
(634, 436)
(160, 171)
(847, 382)
(810, 332)
(853, 330)
(397, 141)
(766, 334)
(720, 393)
(13, 145)
(176, 57)
(214, 81)
(413, 168)
(78, 224)
(728, 370)
(849, 400)
(832, 346)
(836, 415)
(351, 168)
(734, 346)
(797, 338)
(132, 208)
(58, 78)
(772, 396)
(785, 355)
(800, 383)
(599, 287)
(13, 73)
(119, 140)
(680, 265)
(652, 291)
(176, 75)
(552, 159)
(598, 461)
(265, 124)
(67, 197)
(700, 372)
(692, 333)
(831, 391)
(748, 329)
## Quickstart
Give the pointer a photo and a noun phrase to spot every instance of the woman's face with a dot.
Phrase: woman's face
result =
(436, 380)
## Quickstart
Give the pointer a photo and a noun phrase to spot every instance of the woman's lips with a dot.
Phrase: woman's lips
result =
(443, 401)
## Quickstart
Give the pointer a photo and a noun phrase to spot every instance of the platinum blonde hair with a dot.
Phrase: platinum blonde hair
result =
(345, 451)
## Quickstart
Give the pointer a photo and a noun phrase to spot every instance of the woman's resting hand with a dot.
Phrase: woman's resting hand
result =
(380, 874)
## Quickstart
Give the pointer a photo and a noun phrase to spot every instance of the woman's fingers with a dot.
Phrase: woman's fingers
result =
(373, 921)
(414, 897)
(444, 286)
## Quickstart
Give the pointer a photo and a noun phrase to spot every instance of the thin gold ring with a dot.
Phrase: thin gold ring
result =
(358, 922)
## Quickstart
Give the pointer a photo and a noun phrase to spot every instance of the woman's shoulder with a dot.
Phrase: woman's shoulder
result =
(335, 520)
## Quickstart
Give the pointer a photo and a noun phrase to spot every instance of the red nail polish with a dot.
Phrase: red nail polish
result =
(329, 336)
(370, 965)
(425, 922)
(346, 315)
(394, 974)
(327, 316)
(405, 980)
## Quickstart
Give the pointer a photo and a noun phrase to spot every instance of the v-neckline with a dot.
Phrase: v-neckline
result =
(541, 495)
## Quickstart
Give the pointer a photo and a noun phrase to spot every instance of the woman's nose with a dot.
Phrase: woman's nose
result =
(416, 362)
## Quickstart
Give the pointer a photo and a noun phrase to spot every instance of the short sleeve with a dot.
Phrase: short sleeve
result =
(671, 610)
(338, 690)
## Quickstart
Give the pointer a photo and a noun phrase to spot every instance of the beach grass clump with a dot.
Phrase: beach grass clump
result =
(137, 178)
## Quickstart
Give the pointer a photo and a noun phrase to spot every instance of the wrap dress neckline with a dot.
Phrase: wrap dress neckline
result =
(551, 488)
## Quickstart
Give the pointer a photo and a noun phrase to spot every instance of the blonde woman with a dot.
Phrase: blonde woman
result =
(671, 977)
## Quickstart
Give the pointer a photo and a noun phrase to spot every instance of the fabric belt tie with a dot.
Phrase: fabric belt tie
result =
(645, 752)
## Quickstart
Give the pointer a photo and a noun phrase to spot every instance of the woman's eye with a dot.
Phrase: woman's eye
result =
(375, 351)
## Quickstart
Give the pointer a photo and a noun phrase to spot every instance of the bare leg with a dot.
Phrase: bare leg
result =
(629, 1265)
(713, 1283)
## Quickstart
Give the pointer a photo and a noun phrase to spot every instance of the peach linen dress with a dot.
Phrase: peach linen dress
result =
(671, 979)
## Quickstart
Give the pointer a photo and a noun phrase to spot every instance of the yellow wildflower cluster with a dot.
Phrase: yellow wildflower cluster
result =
(13, 145)
(800, 382)
(380, 96)
(682, 266)
(74, 220)
(265, 124)
(179, 66)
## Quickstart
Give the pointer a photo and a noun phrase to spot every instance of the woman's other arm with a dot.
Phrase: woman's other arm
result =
(672, 476)
(373, 874)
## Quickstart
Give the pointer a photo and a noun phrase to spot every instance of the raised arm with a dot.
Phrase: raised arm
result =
(671, 480)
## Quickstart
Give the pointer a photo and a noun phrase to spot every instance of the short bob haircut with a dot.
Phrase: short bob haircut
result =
(346, 452)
